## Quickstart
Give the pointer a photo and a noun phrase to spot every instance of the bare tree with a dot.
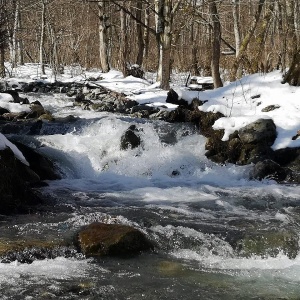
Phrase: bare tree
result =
(216, 44)
(42, 36)
(3, 36)
(165, 10)
(103, 26)
(245, 42)
(123, 42)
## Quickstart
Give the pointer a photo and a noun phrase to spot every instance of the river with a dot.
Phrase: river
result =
(189, 207)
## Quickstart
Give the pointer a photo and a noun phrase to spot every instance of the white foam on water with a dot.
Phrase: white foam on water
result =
(58, 268)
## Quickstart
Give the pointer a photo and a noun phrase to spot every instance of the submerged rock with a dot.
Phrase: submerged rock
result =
(270, 170)
(269, 243)
(99, 239)
(27, 251)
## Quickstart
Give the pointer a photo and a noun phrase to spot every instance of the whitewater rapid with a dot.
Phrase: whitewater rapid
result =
(167, 188)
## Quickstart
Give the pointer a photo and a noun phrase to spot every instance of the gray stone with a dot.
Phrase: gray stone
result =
(260, 131)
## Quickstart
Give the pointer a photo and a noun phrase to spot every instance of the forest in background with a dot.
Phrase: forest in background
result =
(203, 37)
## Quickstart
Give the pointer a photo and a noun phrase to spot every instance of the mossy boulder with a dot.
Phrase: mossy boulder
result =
(99, 239)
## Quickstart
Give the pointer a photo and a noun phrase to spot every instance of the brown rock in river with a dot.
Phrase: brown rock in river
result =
(99, 239)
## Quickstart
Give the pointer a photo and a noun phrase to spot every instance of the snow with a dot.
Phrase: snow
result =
(6, 101)
(241, 102)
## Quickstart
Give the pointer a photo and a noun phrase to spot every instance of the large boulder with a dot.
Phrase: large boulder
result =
(250, 144)
(41, 165)
(288, 157)
(99, 239)
(16, 195)
(262, 131)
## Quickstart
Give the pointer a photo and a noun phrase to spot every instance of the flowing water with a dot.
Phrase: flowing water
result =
(191, 208)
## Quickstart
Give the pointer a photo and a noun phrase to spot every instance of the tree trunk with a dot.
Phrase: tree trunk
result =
(139, 29)
(14, 44)
(3, 37)
(293, 75)
(236, 26)
(246, 41)
(42, 38)
(146, 32)
(123, 43)
(216, 44)
(20, 46)
(195, 70)
(2, 60)
(164, 35)
(103, 48)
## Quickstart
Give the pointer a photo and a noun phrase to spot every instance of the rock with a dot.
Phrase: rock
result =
(135, 71)
(80, 97)
(47, 117)
(14, 94)
(130, 139)
(250, 144)
(37, 110)
(288, 157)
(11, 128)
(29, 250)
(36, 127)
(99, 239)
(41, 165)
(270, 170)
(206, 121)
(16, 196)
(143, 107)
(255, 96)
(196, 103)
(4, 111)
(260, 131)
(67, 119)
(14, 116)
(296, 136)
(270, 108)
(172, 97)
(268, 243)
